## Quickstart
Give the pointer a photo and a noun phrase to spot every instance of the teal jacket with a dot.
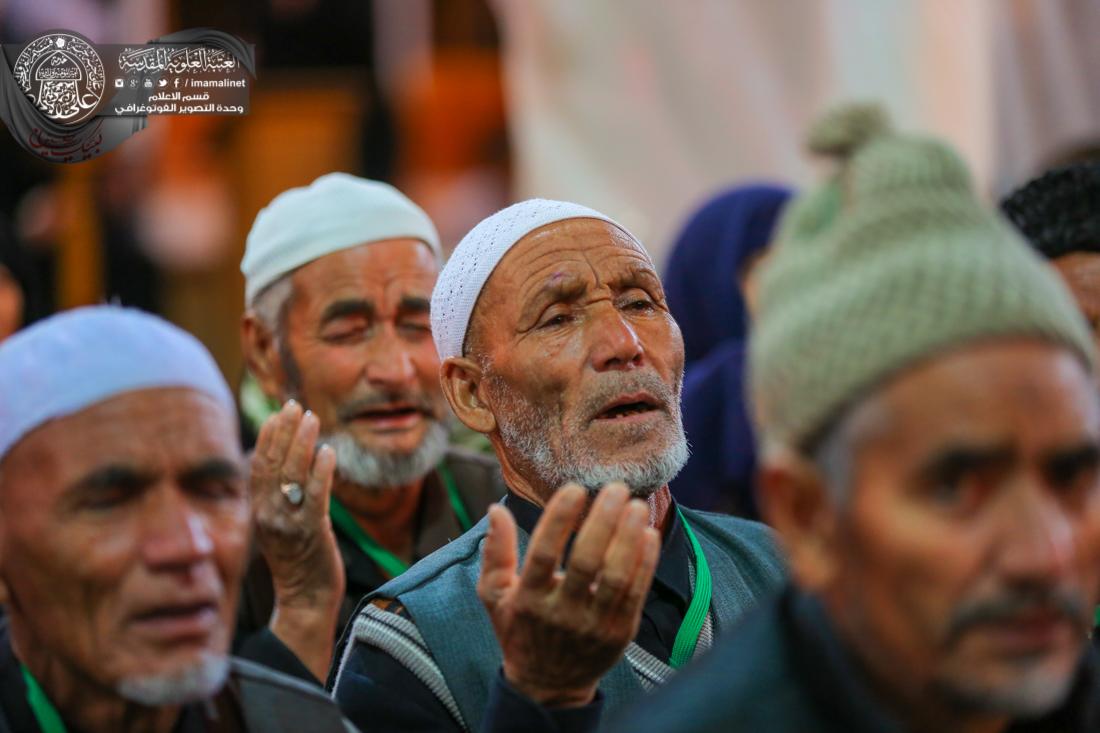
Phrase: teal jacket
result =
(447, 639)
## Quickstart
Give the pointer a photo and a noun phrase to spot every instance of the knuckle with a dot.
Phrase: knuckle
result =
(615, 581)
(541, 559)
(584, 566)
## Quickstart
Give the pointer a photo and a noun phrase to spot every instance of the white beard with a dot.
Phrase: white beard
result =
(524, 429)
(195, 682)
(387, 470)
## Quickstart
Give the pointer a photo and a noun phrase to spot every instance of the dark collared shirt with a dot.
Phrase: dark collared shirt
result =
(392, 698)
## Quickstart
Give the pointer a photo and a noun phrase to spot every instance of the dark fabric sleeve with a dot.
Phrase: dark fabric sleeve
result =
(510, 711)
(263, 647)
(377, 693)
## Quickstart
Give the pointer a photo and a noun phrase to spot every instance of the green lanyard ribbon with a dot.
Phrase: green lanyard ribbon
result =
(49, 720)
(390, 563)
(687, 638)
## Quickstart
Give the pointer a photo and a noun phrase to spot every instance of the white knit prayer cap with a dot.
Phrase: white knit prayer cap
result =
(477, 255)
(335, 212)
(59, 366)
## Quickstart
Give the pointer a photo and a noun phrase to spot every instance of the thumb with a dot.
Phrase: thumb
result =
(498, 557)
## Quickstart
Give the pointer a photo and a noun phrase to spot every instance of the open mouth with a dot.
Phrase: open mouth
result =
(389, 412)
(390, 417)
(179, 620)
(628, 406)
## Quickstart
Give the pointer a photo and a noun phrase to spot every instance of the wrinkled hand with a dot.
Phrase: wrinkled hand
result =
(561, 631)
(297, 541)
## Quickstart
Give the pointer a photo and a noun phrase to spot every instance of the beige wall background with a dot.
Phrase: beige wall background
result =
(642, 107)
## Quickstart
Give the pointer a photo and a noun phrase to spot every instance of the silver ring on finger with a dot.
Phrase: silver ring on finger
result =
(293, 493)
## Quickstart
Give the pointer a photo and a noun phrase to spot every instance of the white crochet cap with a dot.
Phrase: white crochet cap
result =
(81, 357)
(335, 212)
(477, 255)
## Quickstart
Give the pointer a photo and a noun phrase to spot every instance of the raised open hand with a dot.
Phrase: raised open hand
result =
(560, 630)
(290, 484)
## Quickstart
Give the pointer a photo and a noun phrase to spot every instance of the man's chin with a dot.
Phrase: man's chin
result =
(188, 681)
(393, 463)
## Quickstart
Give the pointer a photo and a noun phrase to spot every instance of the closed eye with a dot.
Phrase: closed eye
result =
(559, 320)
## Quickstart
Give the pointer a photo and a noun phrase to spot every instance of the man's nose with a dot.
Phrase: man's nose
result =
(388, 361)
(615, 343)
(1038, 541)
(175, 535)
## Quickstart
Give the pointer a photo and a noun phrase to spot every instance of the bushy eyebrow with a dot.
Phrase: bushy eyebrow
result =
(212, 469)
(558, 290)
(1068, 461)
(960, 460)
(112, 476)
(636, 276)
(414, 304)
(131, 479)
(347, 307)
(409, 304)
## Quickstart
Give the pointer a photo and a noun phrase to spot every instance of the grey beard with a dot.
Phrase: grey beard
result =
(524, 429)
(387, 470)
(1033, 695)
(197, 681)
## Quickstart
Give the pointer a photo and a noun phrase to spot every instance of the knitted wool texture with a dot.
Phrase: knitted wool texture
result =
(889, 263)
(1059, 212)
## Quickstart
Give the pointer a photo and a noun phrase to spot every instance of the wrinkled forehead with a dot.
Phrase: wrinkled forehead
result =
(573, 249)
(1025, 395)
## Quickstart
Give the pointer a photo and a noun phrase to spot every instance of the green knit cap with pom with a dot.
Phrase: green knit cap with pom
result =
(891, 261)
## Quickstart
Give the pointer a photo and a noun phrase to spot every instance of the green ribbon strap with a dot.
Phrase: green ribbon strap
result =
(687, 638)
(390, 563)
(459, 508)
(49, 720)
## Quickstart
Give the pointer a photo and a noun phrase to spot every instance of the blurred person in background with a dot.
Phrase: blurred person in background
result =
(1059, 214)
(558, 344)
(338, 280)
(710, 264)
(124, 527)
(924, 394)
(20, 294)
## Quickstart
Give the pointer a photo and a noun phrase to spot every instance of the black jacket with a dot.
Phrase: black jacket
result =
(785, 671)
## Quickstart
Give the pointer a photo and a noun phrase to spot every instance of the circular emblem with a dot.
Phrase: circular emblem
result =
(63, 75)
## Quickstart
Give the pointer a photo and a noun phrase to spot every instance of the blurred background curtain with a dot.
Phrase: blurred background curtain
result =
(642, 107)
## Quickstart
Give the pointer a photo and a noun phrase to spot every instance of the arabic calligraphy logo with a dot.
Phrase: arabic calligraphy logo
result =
(63, 75)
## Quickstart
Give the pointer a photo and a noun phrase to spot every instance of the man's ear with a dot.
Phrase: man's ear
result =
(261, 354)
(461, 380)
(795, 501)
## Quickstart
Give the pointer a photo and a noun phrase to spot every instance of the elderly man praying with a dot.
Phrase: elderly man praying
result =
(124, 529)
(924, 391)
(557, 343)
(338, 276)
